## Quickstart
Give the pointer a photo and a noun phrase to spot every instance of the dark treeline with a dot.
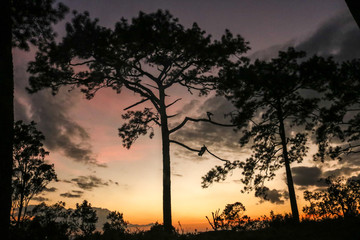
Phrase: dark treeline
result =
(280, 106)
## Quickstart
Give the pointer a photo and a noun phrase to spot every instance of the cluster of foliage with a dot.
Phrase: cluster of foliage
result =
(338, 137)
(230, 218)
(340, 199)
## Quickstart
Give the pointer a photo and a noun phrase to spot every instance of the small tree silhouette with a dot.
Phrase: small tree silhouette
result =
(116, 228)
(53, 222)
(84, 219)
(31, 173)
(230, 218)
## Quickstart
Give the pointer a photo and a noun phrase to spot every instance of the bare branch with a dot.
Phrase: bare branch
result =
(173, 102)
(135, 104)
(81, 63)
(171, 116)
(200, 152)
(207, 87)
(199, 120)
(221, 159)
(185, 146)
(155, 120)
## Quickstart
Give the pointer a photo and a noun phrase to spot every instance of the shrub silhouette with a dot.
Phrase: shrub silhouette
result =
(340, 199)
(116, 228)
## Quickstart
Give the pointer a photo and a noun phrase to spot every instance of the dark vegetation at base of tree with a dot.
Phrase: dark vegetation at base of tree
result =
(325, 229)
(278, 228)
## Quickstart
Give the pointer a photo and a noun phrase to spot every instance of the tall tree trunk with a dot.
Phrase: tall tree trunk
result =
(7, 117)
(290, 183)
(166, 165)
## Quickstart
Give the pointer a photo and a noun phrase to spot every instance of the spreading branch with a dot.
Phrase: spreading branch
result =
(135, 104)
(199, 120)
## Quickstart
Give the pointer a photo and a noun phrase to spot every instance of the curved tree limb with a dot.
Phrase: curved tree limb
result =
(199, 120)
(200, 151)
(173, 102)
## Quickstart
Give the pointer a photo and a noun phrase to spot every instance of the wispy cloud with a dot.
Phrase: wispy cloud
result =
(40, 199)
(70, 195)
(90, 182)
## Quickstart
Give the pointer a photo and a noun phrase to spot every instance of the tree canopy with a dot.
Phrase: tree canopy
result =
(32, 21)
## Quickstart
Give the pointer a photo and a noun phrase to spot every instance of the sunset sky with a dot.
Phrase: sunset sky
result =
(82, 135)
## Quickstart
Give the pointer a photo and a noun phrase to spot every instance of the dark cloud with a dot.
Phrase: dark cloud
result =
(274, 196)
(343, 171)
(89, 182)
(307, 176)
(189, 107)
(52, 189)
(77, 191)
(271, 52)
(40, 199)
(61, 132)
(51, 113)
(338, 37)
(350, 161)
(70, 195)
(357, 177)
